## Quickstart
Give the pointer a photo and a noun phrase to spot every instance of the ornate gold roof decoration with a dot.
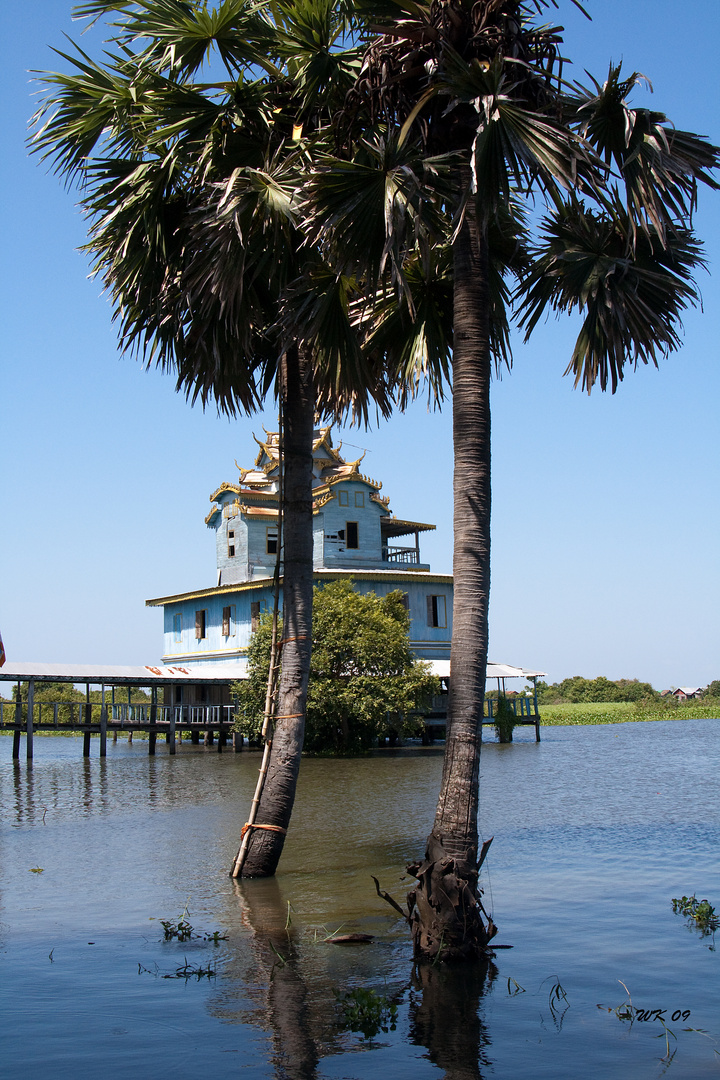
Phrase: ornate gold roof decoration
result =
(257, 482)
(224, 487)
(326, 497)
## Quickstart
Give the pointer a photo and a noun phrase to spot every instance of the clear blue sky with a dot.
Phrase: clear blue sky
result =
(606, 514)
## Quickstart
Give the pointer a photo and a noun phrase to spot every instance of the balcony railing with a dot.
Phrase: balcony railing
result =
(401, 555)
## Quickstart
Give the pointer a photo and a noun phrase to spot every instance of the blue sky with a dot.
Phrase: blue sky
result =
(605, 516)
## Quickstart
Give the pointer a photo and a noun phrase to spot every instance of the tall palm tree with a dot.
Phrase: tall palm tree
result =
(468, 99)
(189, 143)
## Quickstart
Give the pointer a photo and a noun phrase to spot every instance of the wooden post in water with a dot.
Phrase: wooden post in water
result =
(30, 710)
(171, 734)
(18, 724)
(152, 734)
(88, 719)
(103, 723)
(112, 705)
(237, 742)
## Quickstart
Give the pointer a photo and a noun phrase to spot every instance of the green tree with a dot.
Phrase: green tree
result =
(364, 680)
(579, 689)
(189, 144)
(470, 99)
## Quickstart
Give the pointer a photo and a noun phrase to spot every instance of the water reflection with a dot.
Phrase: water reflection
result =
(277, 962)
(445, 1017)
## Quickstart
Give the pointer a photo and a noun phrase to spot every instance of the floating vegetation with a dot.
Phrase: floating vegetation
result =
(182, 930)
(700, 915)
(367, 1012)
(185, 971)
(37, 870)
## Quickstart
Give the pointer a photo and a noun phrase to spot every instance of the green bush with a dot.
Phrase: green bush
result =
(364, 680)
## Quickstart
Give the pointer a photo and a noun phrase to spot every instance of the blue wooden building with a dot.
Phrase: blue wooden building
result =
(355, 536)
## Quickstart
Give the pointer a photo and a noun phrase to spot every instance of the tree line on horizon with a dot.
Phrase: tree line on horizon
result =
(578, 689)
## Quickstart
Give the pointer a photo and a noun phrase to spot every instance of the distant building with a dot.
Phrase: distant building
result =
(355, 536)
(685, 693)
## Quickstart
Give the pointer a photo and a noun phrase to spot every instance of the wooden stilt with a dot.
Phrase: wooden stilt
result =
(30, 717)
(103, 723)
(194, 737)
(171, 733)
(88, 721)
(18, 725)
(237, 741)
(152, 734)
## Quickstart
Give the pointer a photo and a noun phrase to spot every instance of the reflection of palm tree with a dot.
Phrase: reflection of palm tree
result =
(294, 1051)
(447, 1018)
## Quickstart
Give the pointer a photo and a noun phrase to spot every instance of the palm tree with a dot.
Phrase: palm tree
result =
(467, 101)
(189, 143)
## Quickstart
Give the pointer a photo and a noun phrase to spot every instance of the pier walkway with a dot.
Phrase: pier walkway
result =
(27, 715)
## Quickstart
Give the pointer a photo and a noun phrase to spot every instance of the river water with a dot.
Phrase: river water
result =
(596, 830)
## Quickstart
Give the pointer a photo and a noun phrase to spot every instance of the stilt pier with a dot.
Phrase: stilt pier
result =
(206, 712)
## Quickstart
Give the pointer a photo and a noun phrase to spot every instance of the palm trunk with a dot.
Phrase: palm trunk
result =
(446, 912)
(276, 801)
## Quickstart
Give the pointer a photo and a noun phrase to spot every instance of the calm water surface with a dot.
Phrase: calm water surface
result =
(596, 829)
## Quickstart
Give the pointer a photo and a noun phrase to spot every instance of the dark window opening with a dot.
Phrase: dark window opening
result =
(255, 615)
(200, 624)
(405, 601)
(436, 612)
(271, 544)
(227, 612)
(352, 534)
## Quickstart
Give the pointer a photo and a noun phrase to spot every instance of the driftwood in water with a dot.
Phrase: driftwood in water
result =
(350, 939)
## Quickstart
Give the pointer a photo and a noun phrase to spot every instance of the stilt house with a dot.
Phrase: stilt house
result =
(355, 536)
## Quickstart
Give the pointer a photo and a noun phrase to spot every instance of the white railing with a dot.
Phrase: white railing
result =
(72, 714)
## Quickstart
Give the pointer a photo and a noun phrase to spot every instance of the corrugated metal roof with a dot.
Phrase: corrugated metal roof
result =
(141, 675)
(441, 668)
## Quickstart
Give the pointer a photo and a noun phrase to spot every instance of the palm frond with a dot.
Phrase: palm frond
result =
(631, 289)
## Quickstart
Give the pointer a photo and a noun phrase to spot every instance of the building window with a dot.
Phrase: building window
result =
(177, 627)
(436, 611)
(351, 534)
(359, 498)
(231, 543)
(271, 540)
(200, 624)
(343, 498)
(405, 600)
(255, 610)
(228, 625)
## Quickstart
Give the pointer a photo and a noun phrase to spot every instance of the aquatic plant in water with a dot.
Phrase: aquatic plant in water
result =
(366, 1011)
(700, 914)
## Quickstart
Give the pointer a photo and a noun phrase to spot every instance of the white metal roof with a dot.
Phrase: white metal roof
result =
(142, 675)
(441, 668)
